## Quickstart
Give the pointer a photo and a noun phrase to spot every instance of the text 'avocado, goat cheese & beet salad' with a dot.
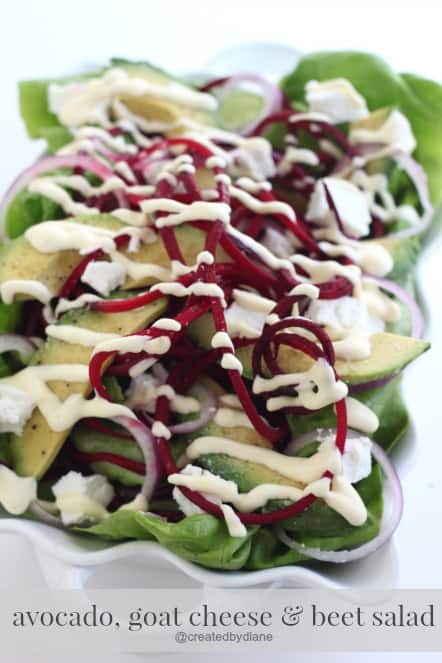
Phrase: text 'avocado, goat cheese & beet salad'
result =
(207, 302)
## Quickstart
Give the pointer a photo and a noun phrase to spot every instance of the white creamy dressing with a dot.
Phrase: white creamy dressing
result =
(86, 102)
(145, 389)
(37, 290)
(261, 207)
(339, 494)
(179, 213)
(313, 389)
(324, 270)
(62, 415)
(55, 236)
(231, 363)
(78, 335)
(360, 416)
(294, 155)
(230, 413)
(233, 523)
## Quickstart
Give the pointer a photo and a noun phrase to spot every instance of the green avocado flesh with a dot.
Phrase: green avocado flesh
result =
(19, 260)
(245, 474)
(160, 110)
(88, 441)
(34, 450)
(389, 353)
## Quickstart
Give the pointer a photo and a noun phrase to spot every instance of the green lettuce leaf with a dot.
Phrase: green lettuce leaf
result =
(10, 318)
(418, 98)
(202, 539)
(38, 119)
(27, 209)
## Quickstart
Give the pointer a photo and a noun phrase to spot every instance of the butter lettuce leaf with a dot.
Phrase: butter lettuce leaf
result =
(418, 98)
(10, 318)
(27, 209)
(202, 539)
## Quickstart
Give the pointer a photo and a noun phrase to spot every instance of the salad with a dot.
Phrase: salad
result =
(207, 303)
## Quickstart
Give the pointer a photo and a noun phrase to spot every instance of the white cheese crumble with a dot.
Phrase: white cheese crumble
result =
(79, 498)
(16, 407)
(104, 277)
(16, 493)
(336, 98)
(395, 133)
(351, 205)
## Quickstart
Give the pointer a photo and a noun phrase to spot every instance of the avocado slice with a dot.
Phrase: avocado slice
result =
(19, 259)
(89, 441)
(160, 110)
(390, 353)
(245, 474)
(34, 450)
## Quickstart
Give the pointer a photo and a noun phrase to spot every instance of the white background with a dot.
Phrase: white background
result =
(50, 37)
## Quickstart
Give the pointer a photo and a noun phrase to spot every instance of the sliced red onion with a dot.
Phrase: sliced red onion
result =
(271, 93)
(419, 178)
(209, 406)
(388, 526)
(417, 317)
(121, 199)
(52, 163)
(145, 440)
(316, 435)
(40, 513)
(17, 343)
(303, 439)
(372, 384)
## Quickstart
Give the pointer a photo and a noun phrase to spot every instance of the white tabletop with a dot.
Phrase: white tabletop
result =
(45, 38)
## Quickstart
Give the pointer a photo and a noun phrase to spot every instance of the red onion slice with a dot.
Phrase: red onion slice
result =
(271, 94)
(389, 522)
(145, 440)
(40, 513)
(372, 384)
(419, 178)
(47, 164)
(17, 343)
(417, 317)
(209, 406)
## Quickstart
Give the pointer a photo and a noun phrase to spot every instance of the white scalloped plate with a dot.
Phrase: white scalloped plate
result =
(68, 560)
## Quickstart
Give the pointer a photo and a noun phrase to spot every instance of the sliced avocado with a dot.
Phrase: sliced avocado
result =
(160, 110)
(19, 259)
(89, 441)
(389, 354)
(245, 474)
(239, 108)
(34, 450)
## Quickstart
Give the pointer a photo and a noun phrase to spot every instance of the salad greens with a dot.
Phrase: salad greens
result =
(419, 98)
